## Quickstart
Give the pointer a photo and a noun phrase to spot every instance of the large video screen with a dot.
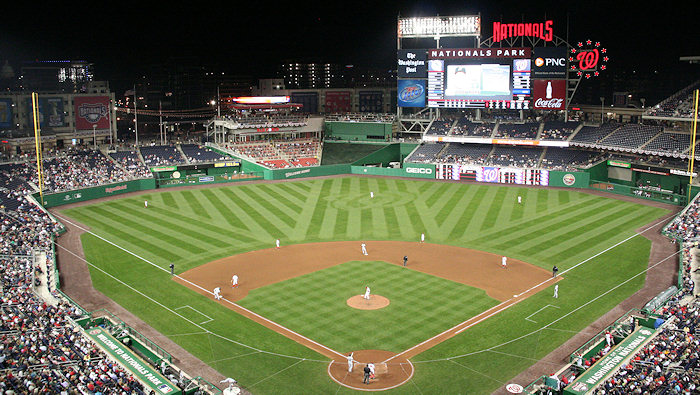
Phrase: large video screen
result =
(493, 78)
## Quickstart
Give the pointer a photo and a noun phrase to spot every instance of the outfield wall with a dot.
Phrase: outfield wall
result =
(414, 170)
(81, 195)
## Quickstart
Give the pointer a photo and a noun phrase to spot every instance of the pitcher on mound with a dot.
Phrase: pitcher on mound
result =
(366, 293)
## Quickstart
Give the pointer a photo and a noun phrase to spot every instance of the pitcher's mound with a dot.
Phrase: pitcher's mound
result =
(375, 302)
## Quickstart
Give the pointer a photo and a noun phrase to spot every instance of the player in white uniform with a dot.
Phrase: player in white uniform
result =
(504, 263)
(234, 280)
(350, 361)
(371, 370)
(556, 290)
(145, 203)
(371, 194)
(422, 237)
(366, 293)
(217, 293)
(364, 249)
(277, 243)
(520, 199)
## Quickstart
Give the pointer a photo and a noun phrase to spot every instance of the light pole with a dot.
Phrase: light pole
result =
(602, 103)
(94, 135)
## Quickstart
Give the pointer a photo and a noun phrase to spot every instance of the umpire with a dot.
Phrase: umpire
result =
(405, 259)
(367, 371)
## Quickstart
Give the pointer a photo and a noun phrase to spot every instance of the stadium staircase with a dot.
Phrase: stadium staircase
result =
(108, 156)
(452, 127)
(544, 152)
(495, 129)
(540, 129)
(641, 147)
(138, 153)
(430, 125)
(578, 128)
(179, 149)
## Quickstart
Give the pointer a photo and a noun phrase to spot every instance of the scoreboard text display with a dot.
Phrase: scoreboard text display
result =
(491, 174)
(479, 78)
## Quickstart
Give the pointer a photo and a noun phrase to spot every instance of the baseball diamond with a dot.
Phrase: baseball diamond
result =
(288, 317)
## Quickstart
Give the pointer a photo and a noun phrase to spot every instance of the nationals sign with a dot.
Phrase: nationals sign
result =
(549, 94)
(91, 110)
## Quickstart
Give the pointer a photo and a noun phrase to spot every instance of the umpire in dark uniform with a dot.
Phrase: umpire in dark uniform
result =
(367, 371)
(405, 259)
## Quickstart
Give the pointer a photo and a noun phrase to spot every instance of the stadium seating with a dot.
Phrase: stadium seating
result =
(160, 155)
(439, 127)
(426, 153)
(678, 105)
(464, 127)
(669, 142)
(630, 136)
(281, 154)
(558, 130)
(568, 159)
(465, 153)
(130, 161)
(515, 156)
(197, 154)
(517, 130)
(593, 134)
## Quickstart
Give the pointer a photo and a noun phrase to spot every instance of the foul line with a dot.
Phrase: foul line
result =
(513, 301)
(192, 308)
(201, 288)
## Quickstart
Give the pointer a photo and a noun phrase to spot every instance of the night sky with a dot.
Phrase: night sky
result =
(121, 37)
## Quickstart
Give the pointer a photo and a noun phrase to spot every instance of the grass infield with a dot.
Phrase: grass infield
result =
(192, 227)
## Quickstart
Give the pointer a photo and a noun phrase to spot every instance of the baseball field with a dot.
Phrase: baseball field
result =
(466, 324)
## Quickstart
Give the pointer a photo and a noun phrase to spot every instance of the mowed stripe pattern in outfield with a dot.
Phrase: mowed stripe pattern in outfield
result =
(193, 227)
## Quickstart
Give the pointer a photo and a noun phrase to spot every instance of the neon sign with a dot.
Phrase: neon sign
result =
(588, 59)
(543, 31)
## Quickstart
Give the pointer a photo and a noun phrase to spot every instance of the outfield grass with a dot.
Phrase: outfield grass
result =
(421, 306)
(193, 227)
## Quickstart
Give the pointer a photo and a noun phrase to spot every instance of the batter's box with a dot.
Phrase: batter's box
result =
(528, 317)
(209, 319)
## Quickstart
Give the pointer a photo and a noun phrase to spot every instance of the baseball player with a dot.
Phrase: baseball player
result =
(556, 291)
(371, 195)
(145, 203)
(366, 293)
(504, 263)
(555, 269)
(217, 293)
(422, 237)
(234, 281)
(364, 249)
(371, 370)
(350, 361)
(520, 199)
(405, 259)
(608, 338)
(277, 243)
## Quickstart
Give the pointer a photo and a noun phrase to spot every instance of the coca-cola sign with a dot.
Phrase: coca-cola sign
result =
(549, 94)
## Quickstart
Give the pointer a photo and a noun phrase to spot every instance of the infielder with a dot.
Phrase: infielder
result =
(277, 243)
(504, 263)
(556, 291)
(405, 259)
(422, 237)
(145, 203)
(234, 280)
(217, 293)
(350, 361)
(364, 249)
(366, 293)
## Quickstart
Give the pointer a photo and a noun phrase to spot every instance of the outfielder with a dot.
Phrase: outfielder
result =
(350, 361)
(366, 293)
(520, 199)
(234, 280)
(277, 243)
(145, 203)
(364, 249)
(422, 237)
(504, 263)
(371, 195)
(217, 293)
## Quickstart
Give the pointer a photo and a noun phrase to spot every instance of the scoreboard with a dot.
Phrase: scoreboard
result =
(479, 78)
(499, 175)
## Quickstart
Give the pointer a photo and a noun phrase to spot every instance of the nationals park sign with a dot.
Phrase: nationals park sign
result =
(611, 362)
(146, 374)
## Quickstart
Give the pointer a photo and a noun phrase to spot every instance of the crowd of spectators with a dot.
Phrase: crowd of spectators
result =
(678, 105)
(558, 130)
(266, 121)
(281, 154)
(76, 168)
(517, 130)
(686, 226)
(362, 117)
(161, 155)
(131, 163)
(198, 154)
(465, 127)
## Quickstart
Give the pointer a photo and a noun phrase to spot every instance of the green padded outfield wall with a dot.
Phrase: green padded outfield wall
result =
(415, 170)
(302, 172)
(81, 195)
(571, 179)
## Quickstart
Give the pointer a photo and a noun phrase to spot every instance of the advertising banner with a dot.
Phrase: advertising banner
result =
(411, 93)
(5, 113)
(308, 100)
(549, 94)
(50, 112)
(411, 63)
(91, 110)
(338, 102)
(549, 62)
(371, 101)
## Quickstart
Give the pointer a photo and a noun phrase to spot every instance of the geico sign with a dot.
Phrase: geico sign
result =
(419, 170)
